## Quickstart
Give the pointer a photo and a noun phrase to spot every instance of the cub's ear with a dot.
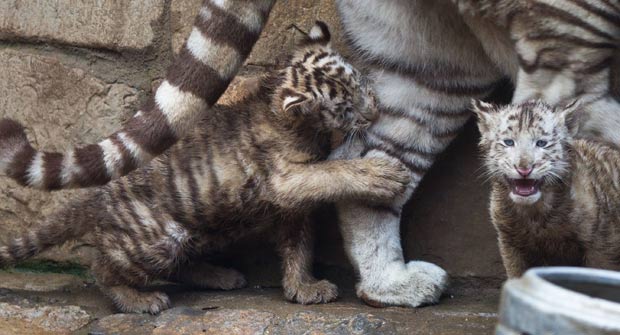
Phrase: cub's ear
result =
(570, 115)
(318, 34)
(484, 111)
(295, 103)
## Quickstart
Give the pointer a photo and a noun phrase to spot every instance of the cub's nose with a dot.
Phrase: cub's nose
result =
(370, 113)
(524, 171)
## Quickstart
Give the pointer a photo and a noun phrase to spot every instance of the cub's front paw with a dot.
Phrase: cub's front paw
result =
(312, 293)
(386, 179)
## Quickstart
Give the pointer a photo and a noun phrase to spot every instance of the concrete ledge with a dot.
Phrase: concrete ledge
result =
(115, 25)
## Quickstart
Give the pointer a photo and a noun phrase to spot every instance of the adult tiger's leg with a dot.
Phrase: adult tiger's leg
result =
(426, 68)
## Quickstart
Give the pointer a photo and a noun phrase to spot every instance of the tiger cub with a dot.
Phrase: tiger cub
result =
(555, 199)
(259, 164)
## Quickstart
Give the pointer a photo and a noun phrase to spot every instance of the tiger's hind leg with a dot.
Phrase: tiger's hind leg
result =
(208, 276)
(127, 263)
(120, 287)
(295, 241)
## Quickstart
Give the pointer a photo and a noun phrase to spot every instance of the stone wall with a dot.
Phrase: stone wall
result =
(74, 70)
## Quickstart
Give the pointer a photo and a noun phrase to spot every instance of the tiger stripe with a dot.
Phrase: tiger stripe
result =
(36, 170)
(111, 153)
(581, 26)
(377, 140)
(53, 170)
(177, 106)
(223, 35)
(226, 58)
(69, 167)
(217, 185)
(424, 94)
(428, 58)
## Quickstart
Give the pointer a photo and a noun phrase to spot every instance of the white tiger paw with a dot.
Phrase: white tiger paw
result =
(412, 285)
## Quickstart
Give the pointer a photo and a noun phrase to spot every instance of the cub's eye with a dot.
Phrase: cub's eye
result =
(509, 143)
(541, 143)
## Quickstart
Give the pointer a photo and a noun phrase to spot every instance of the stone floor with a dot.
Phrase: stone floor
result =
(49, 303)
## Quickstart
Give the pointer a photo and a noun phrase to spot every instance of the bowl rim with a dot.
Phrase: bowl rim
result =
(536, 288)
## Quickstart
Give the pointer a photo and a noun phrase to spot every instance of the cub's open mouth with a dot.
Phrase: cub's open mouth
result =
(525, 187)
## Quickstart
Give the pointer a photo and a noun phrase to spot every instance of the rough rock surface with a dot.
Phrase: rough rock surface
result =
(60, 105)
(191, 321)
(38, 282)
(468, 308)
(113, 25)
(182, 13)
(16, 320)
(126, 324)
(303, 323)
(278, 35)
(184, 320)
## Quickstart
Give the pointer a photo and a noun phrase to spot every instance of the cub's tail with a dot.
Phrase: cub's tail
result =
(69, 224)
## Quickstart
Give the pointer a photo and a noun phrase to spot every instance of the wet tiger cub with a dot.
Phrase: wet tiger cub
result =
(555, 199)
(257, 165)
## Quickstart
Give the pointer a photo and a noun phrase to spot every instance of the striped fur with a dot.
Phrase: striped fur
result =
(222, 37)
(565, 49)
(255, 166)
(572, 215)
(428, 58)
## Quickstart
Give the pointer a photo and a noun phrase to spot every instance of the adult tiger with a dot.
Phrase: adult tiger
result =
(428, 58)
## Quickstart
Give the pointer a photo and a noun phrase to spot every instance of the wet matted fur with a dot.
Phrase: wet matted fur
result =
(257, 165)
(555, 199)
(428, 59)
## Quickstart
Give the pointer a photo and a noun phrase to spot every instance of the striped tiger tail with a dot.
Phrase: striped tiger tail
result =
(222, 37)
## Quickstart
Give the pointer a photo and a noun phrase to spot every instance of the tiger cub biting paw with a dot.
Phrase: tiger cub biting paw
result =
(259, 164)
(555, 199)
